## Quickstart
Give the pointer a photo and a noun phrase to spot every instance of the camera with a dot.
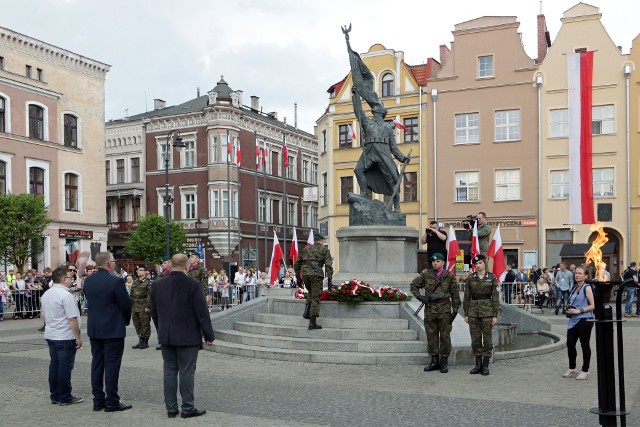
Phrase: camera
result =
(468, 223)
(428, 231)
(567, 311)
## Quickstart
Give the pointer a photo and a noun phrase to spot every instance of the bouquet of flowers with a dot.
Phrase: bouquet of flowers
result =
(355, 291)
(301, 293)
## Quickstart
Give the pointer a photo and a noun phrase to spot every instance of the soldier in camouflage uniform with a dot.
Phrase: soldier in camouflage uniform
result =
(166, 266)
(441, 303)
(310, 263)
(481, 307)
(140, 306)
(198, 272)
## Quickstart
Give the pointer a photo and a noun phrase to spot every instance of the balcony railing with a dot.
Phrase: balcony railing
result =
(122, 226)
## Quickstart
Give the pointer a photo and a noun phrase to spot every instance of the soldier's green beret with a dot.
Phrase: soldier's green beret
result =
(318, 235)
(166, 258)
(437, 256)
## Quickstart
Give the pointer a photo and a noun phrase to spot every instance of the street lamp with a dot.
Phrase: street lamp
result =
(168, 200)
(199, 242)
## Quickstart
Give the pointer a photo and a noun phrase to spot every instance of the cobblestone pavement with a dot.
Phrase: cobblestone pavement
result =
(238, 391)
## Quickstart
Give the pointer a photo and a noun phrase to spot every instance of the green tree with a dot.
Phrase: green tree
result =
(24, 219)
(148, 240)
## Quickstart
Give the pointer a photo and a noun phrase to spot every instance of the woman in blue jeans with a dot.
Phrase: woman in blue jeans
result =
(580, 308)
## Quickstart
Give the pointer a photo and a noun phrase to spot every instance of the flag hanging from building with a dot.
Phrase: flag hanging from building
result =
(579, 80)
(310, 240)
(276, 258)
(352, 134)
(257, 156)
(293, 252)
(399, 125)
(265, 153)
(497, 253)
(285, 154)
(228, 149)
(453, 250)
(238, 153)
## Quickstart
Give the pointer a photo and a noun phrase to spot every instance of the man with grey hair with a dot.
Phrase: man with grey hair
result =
(106, 326)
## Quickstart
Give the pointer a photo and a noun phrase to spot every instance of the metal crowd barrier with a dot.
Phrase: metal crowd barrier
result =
(25, 303)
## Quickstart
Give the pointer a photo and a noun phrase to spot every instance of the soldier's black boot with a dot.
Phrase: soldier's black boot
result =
(444, 364)
(313, 324)
(434, 365)
(307, 307)
(478, 368)
(144, 344)
(139, 343)
(485, 366)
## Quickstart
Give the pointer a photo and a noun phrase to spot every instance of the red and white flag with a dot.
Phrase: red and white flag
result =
(293, 251)
(265, 153)
(257, 156)
(285, 154)
(238, 153)
(399, 125)
(310, 240)
(228, 149)
(475, 244)
(579, 79)
(276, 258)
(453, 250)
(497, 253)
(352, 134)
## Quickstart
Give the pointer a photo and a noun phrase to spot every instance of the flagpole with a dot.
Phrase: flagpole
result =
(286, 204)
(266, 227)
(255, 140)
(228, 207)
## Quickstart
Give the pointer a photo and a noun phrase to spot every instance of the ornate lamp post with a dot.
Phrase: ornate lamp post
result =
(168, 200)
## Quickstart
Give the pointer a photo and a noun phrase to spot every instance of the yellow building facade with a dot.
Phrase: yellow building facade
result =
(634, 147)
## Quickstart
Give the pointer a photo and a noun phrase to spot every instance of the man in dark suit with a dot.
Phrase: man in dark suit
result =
(108, 318)
(180, 314)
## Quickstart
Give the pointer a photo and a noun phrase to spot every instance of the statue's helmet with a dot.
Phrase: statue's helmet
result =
(379, 109)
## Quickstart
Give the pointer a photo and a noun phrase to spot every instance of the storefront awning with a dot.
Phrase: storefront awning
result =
(571, 250)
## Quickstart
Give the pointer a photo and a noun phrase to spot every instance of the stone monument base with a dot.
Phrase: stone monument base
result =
(378, 255)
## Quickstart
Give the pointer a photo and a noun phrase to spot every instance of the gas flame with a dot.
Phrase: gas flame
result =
(594, 254)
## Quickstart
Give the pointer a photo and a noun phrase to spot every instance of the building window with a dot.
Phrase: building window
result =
(324, 141)
(107, 171)
(70, 130)
(135, 208)
(119, 171)
(387, 85)
(305, 216)
(325, 195)
(410, 187)
(411, 131)
(1, 63)
(603, 182)
(559, 123)
(262, 209)
(224, 153)
(214, 149)
(71, 192)
(36, 122)
(135, 169)
(292, 214)
(121, 209)
(508, 125)
(39, 74)
(314, 173)
(36, 180)
(485, 66)
(344, 136)
(215, 203)
(314, 216)
(291, 168)
(305, 171)
(602, 120)
(189, 206)
(164, 154)
(467, 186)
(508, 184)
(225, 203)
(108, 211)
(27, 71)
(189, 154)
(468, 128)
(346, 187)
(3, 103)
(3, 178)
(165, 209)
(559, 184)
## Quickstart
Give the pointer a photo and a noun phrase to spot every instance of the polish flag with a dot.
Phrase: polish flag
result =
(276, 258)
(285, 154)
(579, 78)
(293, 252)
(453, 250)
(310, 240)
(238, 154)
(475, 244)
(399, 125)
(352, 134)
(497, 253)
(228, 149)
(257, 156)
(265, 153)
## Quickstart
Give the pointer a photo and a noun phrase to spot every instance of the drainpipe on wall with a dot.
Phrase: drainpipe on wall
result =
(627, 73)
(420, 165)
(434, 96)
(539, 81)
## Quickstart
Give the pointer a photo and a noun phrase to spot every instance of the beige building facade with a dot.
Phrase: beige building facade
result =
(634, 149)
(52, 139)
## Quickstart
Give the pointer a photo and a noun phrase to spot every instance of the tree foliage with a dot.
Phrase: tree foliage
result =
(24, 217)
(148, 240)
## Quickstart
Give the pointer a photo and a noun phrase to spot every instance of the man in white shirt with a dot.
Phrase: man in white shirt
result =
(62, 333)
(239, 280)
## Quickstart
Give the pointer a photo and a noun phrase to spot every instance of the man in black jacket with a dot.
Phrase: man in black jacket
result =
(180, 314)
(106, 326)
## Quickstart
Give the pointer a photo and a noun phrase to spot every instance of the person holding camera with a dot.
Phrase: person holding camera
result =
(580, 308)
(436, 240)
(441, 303)
(484, 230)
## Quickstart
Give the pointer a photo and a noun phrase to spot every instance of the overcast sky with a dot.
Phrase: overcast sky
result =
(283, 51)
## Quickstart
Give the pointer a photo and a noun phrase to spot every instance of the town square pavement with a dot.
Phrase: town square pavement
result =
(239, 391)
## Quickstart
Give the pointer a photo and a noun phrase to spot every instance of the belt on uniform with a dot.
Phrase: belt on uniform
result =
(480, 297)
(368, 141)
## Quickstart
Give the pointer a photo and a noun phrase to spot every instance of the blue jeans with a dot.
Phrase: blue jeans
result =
(562, 295)
(249, 293)
(63, 355)
(179, 365)
(631, 293)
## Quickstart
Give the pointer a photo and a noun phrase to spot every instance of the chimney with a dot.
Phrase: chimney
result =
(198, 92)
(444, 54)
(544, 39)
(255, 103)
(159, 104)
(273, 115)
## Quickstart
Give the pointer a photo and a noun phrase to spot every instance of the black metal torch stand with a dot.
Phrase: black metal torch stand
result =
(606, 410)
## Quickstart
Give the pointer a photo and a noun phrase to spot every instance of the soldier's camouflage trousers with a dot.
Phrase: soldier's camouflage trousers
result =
(314, 286)
(481, 341)
(438, 332)
(142, 323)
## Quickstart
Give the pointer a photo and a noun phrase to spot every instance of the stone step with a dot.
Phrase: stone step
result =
(325, 332)
(334, 323)
(319, 344)
(293, 306)
(350, 358)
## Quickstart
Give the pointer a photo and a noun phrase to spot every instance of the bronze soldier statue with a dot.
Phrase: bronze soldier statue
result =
(198, 272)
(441, 303)
(140, 306)
(481, 306)
(310, 263)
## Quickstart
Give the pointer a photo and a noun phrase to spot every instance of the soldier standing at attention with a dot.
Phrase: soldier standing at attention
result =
(140, 306)
(481, 306)
(441, 296)
(310, 263)
(166, 266)
(198, 272)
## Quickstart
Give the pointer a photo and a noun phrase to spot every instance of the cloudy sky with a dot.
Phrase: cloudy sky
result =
(283, 51)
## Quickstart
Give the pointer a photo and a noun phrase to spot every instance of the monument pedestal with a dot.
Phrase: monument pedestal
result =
(378, 255)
